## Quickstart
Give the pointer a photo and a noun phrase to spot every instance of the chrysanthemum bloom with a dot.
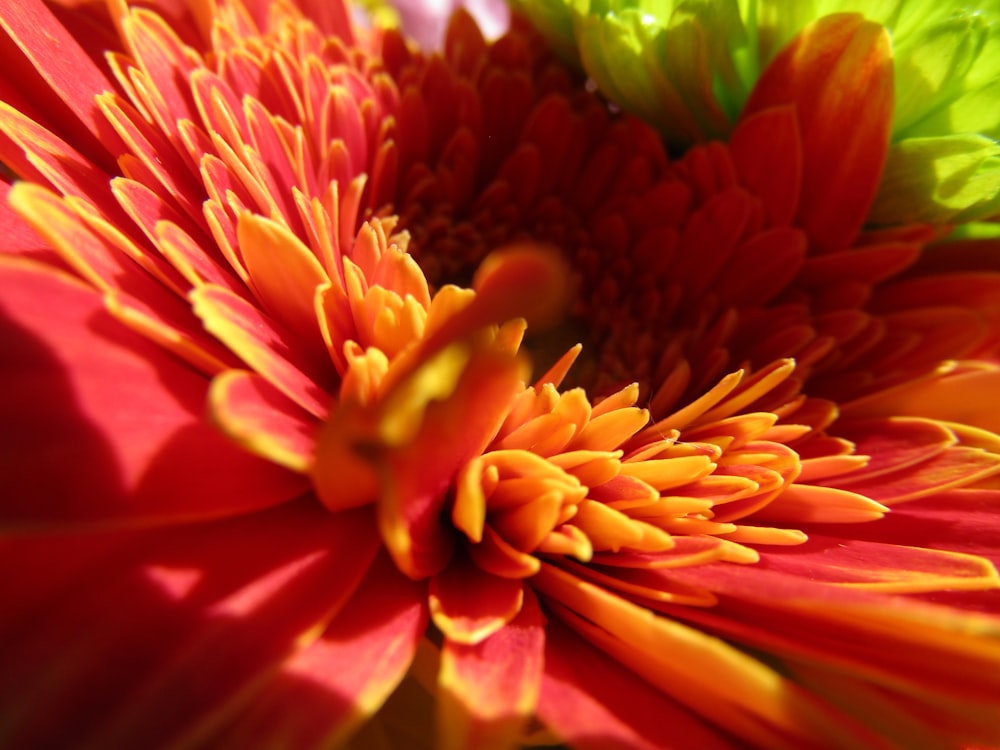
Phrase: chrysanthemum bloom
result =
(689, 68)
(276, 471)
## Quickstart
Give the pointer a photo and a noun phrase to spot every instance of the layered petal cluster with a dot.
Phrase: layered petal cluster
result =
(277, 467)
(690, 67)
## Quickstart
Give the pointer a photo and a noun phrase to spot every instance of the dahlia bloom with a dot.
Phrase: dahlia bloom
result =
(356, 395)
(689, 69)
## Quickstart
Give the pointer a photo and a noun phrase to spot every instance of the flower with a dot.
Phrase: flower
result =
(278, 470)
(688, 68)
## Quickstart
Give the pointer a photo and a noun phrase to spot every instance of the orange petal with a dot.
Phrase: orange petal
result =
(956, 392)
(496, 556)
(417, 476)
(805, 503)
(838, 75)
(284, 274)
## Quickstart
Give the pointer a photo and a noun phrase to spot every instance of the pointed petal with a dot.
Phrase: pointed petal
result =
(911, 458)
(103, 427)
(806, 503)
(838, 74)
(490, 689)
(157, 637)
(322, 693)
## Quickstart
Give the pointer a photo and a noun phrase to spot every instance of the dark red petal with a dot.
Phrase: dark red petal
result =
(838, 75)
(766, 149)
(154, 638)
(100, 426)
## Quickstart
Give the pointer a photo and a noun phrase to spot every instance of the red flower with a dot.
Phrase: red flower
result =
(276, 470)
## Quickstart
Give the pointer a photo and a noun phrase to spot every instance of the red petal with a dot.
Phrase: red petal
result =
(892, 640)
(709, 676)
(964, 520)
(469, 605)
(105, 263)
(489, 690)
(761, 267)
(766, 149)
(838, 75)
(333, 17)
(20, 238)
(324, 691)
(154, 161)
(875, 566)
(161, 54)
(36, 154)
(102, 426)
(419, 474)
(592, 702)
(259, 417)
(911, 458)
(153, 638)
(59, 77)
(264, 345)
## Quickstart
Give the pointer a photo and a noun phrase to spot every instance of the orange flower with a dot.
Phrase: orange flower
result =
(276, 467)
